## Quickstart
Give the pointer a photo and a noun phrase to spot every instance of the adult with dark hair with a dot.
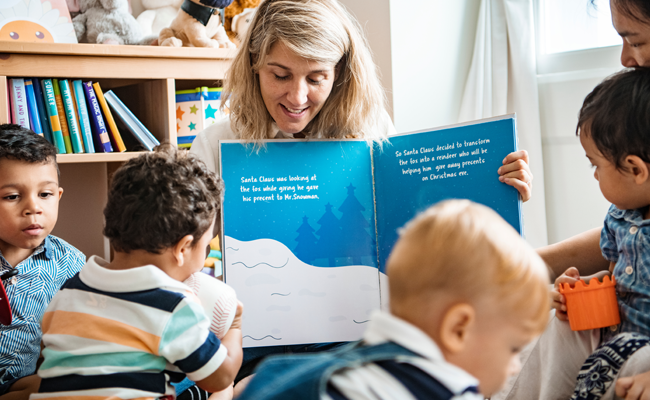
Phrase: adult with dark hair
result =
(631, 19)
(614, 129)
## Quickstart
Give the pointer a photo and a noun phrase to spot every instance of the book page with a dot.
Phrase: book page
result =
(420, 169)
(299, 239)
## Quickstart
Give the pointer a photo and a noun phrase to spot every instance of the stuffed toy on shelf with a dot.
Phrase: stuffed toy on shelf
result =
(157, 14)
(197, 24)
(241, 23)
(106, 22)
(237, 7)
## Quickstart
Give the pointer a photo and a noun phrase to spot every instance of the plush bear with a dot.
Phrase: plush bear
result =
(237, 7)
(157, 14)
(197, 24)
(106, 22)
(241, 23)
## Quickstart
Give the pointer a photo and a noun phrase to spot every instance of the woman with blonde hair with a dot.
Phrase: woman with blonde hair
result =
(305, 69)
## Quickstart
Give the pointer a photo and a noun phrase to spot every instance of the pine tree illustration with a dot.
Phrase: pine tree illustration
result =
(306, 250)
(330, 234)
(356, 242)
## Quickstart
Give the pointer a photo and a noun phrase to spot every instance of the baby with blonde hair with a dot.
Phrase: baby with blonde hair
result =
(467, 293)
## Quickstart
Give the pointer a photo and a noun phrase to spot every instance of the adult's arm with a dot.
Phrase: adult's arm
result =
(581, 251)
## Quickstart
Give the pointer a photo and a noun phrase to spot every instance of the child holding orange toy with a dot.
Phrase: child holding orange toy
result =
(614, 130)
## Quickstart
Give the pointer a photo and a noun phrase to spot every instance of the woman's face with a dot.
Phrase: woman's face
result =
(636, 38)
(294, 89)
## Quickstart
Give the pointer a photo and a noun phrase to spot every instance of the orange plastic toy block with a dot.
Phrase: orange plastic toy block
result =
(591, 306)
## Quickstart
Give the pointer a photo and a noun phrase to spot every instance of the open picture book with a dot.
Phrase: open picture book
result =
(308, 225)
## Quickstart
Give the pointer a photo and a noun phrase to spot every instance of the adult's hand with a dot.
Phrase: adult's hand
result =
(516, 173)
(635, 387)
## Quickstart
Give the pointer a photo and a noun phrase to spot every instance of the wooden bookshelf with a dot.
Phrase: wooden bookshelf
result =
(145, 78)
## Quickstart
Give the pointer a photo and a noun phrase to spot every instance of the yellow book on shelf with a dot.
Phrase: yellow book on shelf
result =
(112, 128)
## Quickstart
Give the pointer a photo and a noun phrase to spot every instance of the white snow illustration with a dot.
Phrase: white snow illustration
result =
(289, 302)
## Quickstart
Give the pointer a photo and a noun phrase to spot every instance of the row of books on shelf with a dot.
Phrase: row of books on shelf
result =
(77, 116)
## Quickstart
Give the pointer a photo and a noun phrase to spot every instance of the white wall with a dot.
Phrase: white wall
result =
(573, 200)
(374, 17)
(432, 43)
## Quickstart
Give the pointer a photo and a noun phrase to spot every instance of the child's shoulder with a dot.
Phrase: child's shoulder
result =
(59, 249)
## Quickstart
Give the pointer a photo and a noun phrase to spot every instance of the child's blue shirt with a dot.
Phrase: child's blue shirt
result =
(39, 277)
(625, 240)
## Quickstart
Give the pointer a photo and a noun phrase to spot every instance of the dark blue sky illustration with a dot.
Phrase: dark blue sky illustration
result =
(336, 165)
(402, 196)
(344, 178)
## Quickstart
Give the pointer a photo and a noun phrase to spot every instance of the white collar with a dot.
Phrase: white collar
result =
(147, 277)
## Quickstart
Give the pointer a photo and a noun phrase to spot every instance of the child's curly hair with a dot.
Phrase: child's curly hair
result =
(18, 143)
(158, 198)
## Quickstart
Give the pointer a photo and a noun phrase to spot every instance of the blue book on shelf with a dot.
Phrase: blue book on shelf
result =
(84, 119)
(130, 121)
(308, 225)
(100, 133)
(32, 107)
(71, 116)
(42, 113)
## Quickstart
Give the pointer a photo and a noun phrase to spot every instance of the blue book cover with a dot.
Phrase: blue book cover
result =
(42, 113)
(84, 119)
(100, 134)
(308, 225)
(73, 123)
(32, 107)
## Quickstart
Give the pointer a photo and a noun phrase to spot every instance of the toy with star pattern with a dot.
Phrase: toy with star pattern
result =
(196, 109)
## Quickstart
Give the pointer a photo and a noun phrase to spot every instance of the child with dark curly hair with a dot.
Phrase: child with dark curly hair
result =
(29, 207)
(130, 328)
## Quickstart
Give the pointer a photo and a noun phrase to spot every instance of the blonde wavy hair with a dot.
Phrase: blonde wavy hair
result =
(318, 30)
(468, 251)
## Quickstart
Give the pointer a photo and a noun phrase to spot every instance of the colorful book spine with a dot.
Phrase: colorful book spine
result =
(115, 133)
(130, 121)
(42, 112)
(76, 115)
(62, 117)
(71, 117)
(32, 107)
(84, 119)
(96, 119)
(20, 115)
(53, 114)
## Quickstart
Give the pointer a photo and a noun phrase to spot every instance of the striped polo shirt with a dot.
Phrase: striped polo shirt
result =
(427, 376)
(39, 277)
(124, 334)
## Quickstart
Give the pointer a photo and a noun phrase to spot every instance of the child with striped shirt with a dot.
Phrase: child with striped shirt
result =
(129, 328)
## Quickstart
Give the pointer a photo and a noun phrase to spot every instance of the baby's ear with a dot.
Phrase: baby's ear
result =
(638, 167)
(455, 327)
